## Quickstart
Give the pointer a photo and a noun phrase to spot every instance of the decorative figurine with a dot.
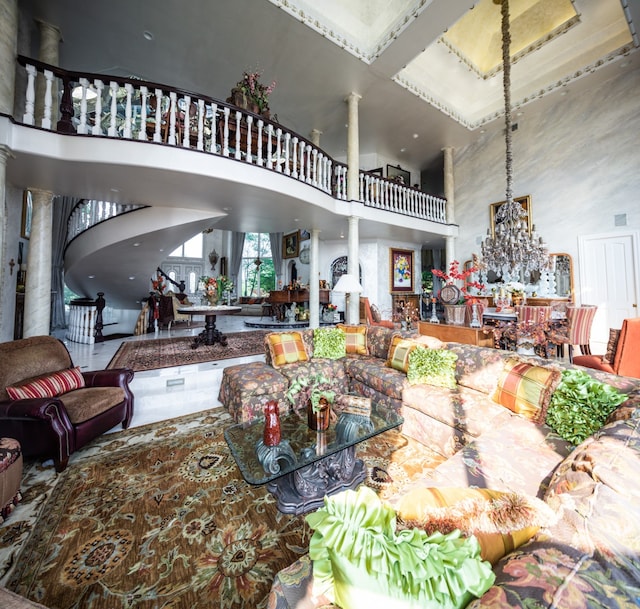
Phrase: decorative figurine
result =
(272, 431)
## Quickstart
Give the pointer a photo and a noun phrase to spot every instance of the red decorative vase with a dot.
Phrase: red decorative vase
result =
(272, 431)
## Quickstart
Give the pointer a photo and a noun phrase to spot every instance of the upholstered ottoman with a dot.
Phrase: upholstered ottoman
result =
(10, 475)
(246, 388)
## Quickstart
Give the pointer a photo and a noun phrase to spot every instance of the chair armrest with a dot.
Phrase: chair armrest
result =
(46, 409)
(116, 377)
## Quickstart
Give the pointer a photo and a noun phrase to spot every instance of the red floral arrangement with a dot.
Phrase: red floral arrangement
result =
(455, 274)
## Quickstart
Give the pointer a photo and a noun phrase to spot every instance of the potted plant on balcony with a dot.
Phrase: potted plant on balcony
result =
(250, 94)
(316, 392)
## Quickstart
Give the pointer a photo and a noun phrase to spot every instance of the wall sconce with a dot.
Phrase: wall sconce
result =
(213, 259)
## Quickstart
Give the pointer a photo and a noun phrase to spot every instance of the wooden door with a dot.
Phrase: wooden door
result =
(609, 267)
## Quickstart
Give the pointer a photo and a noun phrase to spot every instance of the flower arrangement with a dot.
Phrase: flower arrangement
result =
(455, 274)
(158, 285)
(255, 91)
(514, 287)
(210, 285)
(332, 307)
(314, 388)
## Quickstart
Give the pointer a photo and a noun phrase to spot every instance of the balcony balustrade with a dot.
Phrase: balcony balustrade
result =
(136, 110)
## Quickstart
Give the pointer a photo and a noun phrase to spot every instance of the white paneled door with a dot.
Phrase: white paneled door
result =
(609, 267)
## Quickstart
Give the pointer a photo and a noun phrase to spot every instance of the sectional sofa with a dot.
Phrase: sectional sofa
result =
(588, 557)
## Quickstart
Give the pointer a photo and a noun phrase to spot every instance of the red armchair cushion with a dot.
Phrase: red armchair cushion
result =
(48, 385)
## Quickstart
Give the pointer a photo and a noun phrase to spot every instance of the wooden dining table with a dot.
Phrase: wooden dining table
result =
(210, 335)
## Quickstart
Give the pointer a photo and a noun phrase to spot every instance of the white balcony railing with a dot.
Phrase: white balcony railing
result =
(116, 107)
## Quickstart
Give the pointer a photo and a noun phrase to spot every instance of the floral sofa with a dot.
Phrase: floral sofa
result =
(589, 557)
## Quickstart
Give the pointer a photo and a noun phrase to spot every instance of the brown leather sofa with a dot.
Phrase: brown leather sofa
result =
(55, 427)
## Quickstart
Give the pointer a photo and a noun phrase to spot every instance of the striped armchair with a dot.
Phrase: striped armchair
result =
(580, 322)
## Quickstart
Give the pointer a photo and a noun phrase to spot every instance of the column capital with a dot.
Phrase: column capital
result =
(5, 152)
(50, 28)
(353, 96)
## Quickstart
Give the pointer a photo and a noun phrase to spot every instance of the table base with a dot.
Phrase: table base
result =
(210, 335)
(304, 489)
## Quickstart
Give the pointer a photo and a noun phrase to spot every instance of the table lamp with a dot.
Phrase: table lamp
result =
(348, 284)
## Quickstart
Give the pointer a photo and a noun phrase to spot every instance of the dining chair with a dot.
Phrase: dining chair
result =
(580, 320)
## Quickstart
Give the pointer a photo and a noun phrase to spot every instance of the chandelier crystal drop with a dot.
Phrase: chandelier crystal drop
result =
(512, 251)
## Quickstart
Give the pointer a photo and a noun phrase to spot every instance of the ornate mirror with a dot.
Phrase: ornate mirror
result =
(563, 273)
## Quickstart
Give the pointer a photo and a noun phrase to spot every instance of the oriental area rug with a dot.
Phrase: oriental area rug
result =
(159, 516)
(142, 355)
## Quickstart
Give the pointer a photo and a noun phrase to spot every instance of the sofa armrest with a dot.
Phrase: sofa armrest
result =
(46, 409)
(116, 377)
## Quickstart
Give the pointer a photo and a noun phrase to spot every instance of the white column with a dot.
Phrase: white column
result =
(353, 149)
(8, 50)
(7, 285)
(315, 137)
(314, 283)
(449, 185)
(450, 250)
(50, 39)
(37, 298)
(353, 312)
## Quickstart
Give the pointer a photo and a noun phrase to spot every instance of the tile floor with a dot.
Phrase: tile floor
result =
(167, 392)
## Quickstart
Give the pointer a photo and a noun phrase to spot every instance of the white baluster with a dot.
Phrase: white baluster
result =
(287, 150)
(329, 171)
(186, 122)
(237, 155)
(46, 119)
(200, 144)
(97, 125)
(249, 128)
(278, 149)
(302, 162)
(142, 132)
(269, 146)
(128, 122)
(309, 167)
(172, 118)
(112, 131)
(157, 134)
(315, 167)
(294, 155)
(30, 97)
(82, 127)
(259, 143)
(225, 134)
(214, 128)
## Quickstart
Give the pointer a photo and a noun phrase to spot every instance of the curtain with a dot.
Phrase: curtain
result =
(237, 245)
(62, 208)
(276, 254)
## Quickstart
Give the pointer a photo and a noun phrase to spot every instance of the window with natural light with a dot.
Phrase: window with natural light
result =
(257, 275)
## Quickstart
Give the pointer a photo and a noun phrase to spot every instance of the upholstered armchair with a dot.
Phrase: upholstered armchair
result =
(372, 316)
(53, 408)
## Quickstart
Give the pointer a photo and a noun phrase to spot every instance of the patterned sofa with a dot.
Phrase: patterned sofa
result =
(589, 558)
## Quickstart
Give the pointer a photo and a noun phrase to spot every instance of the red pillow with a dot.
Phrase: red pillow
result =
(48, 386)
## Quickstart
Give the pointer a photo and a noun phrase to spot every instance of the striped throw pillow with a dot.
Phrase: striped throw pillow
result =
(286, 348)
(355, 339)
(48, 386)
(526, 389)
(399, 351)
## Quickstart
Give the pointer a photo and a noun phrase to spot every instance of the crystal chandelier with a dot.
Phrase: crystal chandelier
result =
(511, 251)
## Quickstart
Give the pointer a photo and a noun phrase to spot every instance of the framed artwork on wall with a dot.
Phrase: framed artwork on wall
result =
(291, 245)
(525, 202)
(401, 270)
(27, 214)
(398, 175)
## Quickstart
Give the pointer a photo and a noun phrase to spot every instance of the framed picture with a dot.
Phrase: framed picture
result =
(304, 235)
(291, 245)
(401, 270)
(398, 175)
(27, 214)
(525, 202)
(377, 171)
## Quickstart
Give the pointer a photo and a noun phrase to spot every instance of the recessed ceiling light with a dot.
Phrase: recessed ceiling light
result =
(162, 249)
(403, 149)
(226, 209)
(115, 190)
(92, 276)
(136, 245)
(132, 277)
(147, 35)
(415, 136)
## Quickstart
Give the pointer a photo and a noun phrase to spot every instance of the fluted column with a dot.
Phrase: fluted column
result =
(353, 149)
(314, 283)
(449, 185)
(353, 314)
(315, 137)
(6, 285)
(50, 39)
(8, 50)
(450, 250)
(37, 297)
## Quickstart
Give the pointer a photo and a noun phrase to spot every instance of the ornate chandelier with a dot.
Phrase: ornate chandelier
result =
(512, 250)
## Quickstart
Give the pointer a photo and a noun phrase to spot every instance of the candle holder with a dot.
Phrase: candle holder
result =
(434, 318)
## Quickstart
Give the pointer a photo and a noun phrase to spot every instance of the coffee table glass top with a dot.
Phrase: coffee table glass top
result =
(300, 445)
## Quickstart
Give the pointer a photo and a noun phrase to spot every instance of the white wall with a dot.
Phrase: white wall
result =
(579, 161)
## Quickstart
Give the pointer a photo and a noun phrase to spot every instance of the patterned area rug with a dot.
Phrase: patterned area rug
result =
(159, 516)
(167, 352)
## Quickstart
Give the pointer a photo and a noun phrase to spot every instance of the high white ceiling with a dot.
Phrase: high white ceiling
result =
(418, 95)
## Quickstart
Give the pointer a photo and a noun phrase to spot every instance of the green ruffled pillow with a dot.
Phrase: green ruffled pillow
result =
(433, 367)
(329, 342)
(580, 405)
(360, 561)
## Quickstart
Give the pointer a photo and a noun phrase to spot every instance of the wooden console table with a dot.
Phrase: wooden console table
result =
(480, 337)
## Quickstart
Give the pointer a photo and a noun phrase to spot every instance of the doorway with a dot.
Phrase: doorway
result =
(609, 267)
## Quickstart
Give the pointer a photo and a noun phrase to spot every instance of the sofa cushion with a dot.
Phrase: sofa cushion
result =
(286, 348)
(526, 389)
(334, 369)
(48, 385)
(500, 520)
(329, 343)
(373, 373)
(84, 404)
(432, 366)
(355, 339)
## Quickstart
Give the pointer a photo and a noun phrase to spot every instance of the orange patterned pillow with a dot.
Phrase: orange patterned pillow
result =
(356, 339)
(526, 389)
(501, 521)
(286, 348)
(48, 386)
(399, 351)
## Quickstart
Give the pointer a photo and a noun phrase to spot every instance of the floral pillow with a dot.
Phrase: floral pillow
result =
(329, 342)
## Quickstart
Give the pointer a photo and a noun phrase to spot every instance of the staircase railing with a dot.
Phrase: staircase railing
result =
(137, 110)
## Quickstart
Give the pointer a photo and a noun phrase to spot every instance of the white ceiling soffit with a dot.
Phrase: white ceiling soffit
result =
(599, 33)
(364, 28)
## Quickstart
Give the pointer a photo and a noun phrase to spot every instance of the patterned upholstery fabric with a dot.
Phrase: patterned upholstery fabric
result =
(10, 475)
(580, 322)
(533, 314)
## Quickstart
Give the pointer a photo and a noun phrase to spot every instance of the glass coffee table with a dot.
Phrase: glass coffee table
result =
(307, 464)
